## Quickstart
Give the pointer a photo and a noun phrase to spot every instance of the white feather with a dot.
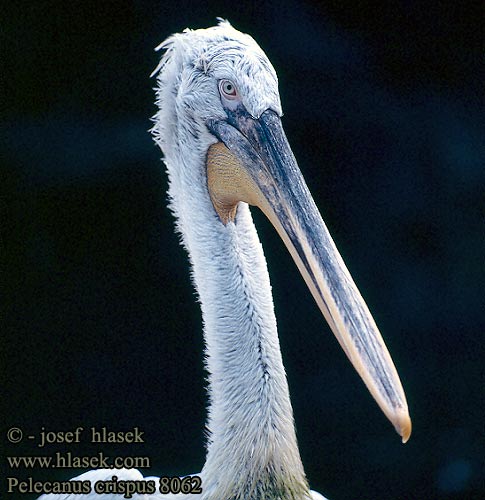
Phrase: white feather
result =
(252, 447)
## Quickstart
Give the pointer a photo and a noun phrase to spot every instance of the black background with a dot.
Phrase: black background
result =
(100, 326)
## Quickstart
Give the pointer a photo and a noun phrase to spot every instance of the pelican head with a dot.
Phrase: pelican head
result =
(219, 127)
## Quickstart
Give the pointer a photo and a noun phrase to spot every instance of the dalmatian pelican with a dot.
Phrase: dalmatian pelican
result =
(219, 128)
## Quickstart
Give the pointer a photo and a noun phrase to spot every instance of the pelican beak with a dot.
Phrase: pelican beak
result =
(253, 162)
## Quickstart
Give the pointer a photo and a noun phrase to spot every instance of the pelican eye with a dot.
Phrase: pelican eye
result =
(228, 89)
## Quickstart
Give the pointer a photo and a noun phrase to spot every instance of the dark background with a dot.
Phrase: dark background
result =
(384, 111)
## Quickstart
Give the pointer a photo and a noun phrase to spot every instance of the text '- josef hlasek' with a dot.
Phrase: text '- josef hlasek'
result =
(93, 434)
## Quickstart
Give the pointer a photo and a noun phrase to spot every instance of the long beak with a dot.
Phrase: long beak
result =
(254, 163)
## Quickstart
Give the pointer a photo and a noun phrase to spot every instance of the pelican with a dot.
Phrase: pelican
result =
(219, 128)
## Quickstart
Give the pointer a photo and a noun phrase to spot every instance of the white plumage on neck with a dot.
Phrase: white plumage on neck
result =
(252, 444)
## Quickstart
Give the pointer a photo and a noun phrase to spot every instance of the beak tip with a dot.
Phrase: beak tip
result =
(403, 425)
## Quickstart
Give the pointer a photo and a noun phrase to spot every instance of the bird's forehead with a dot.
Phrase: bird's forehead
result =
(225, 53)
